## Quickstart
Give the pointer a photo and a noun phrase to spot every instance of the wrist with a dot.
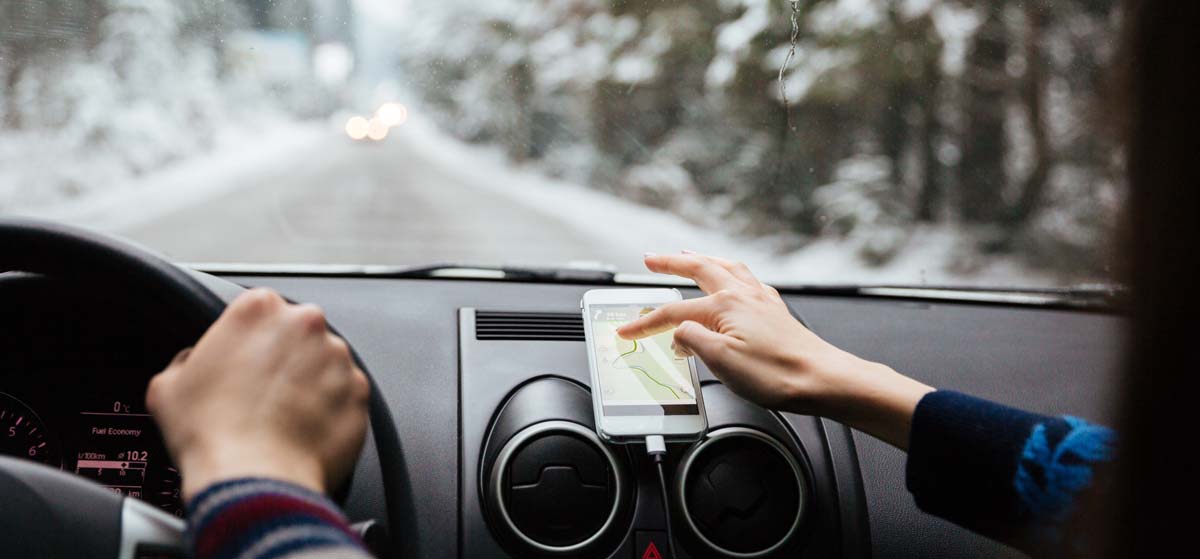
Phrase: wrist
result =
(878, 401)
(200, 469)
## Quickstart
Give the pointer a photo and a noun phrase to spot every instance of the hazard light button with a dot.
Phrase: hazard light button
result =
(650, 544)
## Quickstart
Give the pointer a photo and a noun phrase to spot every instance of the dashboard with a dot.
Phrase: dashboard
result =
(93, 427)
(444, 384)
(73, 380)
(75, 360)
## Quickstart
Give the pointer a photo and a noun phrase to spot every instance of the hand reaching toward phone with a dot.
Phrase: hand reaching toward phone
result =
(269, 392)
(744, 333)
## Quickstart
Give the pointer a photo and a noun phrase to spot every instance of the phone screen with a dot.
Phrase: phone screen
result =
(638, 377)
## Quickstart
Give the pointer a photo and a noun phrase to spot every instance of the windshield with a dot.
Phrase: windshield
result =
(915, 142)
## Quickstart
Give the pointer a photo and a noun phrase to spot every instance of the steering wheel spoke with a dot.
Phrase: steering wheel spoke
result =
(149, 532)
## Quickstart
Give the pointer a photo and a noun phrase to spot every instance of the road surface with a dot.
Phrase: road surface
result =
(343, 202)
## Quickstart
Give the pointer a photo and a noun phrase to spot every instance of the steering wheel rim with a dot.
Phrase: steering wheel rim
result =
(53, 249)
(49, 248)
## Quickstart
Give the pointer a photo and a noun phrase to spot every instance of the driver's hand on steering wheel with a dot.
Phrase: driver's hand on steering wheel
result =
(267, 392)
(745, 334)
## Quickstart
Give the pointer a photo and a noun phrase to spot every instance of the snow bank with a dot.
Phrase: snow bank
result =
(636, 229)
(238, 160)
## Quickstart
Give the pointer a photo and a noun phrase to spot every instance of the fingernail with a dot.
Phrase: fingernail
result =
(648, 255)
(686, 251)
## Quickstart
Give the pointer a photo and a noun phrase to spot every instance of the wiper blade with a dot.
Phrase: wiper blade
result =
(1082, 297)
(1098, 296)
(567, 274)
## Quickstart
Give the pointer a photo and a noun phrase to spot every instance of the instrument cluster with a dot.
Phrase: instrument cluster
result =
(93, 425)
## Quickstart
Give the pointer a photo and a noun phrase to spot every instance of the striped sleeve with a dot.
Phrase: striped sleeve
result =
(255, 518)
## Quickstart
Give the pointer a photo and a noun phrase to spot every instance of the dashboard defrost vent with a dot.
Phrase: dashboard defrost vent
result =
(501, 325)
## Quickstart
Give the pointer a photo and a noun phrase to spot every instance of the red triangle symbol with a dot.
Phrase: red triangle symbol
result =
(651, 552)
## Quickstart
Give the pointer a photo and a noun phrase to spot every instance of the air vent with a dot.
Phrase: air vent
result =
(497, 325)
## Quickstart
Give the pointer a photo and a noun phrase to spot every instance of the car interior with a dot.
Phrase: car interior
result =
(482, 439)
(941, 187)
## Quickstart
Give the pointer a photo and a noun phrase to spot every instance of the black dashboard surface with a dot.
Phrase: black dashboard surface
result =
(1052, 361)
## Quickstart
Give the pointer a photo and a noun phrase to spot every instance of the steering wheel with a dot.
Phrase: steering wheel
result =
(50, 514)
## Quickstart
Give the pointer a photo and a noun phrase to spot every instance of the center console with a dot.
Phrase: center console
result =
(536, 481)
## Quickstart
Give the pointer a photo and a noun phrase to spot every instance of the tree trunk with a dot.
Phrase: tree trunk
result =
(893, 128)
(981, 169)
(929, 199)
(12, 58)
(520, 138)
(1032, 94)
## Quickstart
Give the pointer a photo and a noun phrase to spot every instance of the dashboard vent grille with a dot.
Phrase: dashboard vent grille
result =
(501, 325)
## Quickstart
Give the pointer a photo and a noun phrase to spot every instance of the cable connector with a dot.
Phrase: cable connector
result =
(656, 447)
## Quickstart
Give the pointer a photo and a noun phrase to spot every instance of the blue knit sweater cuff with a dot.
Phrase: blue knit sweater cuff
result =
(1000, 471)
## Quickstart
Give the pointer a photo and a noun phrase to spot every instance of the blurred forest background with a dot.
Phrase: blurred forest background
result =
(981, 119)
(984, 115)
(95, 92)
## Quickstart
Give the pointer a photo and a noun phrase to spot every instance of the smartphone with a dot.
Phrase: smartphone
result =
(639, 387)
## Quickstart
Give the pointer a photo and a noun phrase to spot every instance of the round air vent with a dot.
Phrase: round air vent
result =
(742, 494)
(556, 487)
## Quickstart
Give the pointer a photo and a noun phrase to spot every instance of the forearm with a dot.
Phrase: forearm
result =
(1009, 474)
(873, 399)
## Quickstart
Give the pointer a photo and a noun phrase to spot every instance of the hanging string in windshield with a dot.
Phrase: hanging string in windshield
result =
(787, 61)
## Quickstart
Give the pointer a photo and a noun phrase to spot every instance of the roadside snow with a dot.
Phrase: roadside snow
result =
(637, 229)
(628, 228)
(236, 162)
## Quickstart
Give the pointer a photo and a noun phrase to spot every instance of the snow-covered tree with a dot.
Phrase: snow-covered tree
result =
(93, 92)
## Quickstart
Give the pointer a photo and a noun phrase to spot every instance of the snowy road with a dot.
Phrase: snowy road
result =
(345, 202)
(309, 195)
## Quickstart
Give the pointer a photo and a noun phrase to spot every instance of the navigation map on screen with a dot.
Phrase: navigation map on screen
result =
(638, 376)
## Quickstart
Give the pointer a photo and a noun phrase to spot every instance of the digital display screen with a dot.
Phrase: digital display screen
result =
(97, 430)
(118, 445)
(638, 377)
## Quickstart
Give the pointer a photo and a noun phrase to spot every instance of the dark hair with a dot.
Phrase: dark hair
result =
(1159, 440)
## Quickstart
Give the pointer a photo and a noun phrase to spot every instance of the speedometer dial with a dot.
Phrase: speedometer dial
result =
(23, 435)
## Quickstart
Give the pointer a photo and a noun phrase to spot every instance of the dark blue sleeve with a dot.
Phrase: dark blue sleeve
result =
(1008, 474)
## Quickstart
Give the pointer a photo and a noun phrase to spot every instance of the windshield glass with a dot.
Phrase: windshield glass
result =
(916, 142)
